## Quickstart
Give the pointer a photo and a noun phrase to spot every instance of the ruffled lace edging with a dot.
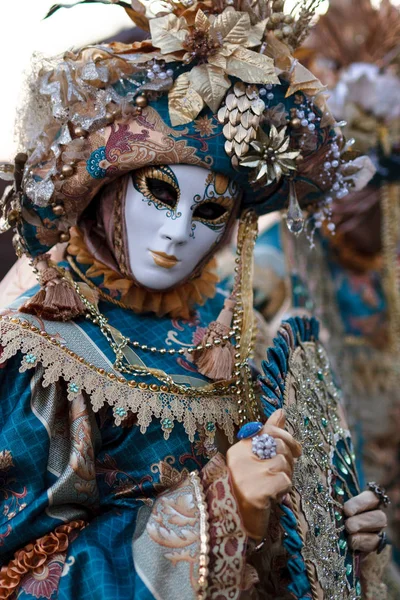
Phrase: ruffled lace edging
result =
(108, 387)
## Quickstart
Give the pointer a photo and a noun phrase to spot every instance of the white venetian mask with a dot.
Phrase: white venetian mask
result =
(174, 217)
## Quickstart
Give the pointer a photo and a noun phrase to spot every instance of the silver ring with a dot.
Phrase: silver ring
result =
(264, 446)
(379, 492)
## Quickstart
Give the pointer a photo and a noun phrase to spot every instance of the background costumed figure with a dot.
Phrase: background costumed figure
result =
(121, 477)
(354, 47)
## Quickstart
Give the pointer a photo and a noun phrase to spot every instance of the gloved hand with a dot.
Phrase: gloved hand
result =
(365, 522)
(258, 482)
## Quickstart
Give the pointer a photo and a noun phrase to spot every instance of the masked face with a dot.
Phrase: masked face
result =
(174, 217)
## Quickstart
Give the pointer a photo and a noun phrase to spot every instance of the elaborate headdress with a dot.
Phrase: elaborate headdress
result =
(216, 86)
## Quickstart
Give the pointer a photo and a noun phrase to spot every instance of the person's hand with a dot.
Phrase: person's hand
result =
(364, 522)
(256, 482)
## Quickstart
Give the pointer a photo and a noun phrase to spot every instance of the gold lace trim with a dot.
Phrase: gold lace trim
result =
(313, 415)
(38, 347)
(176, 303)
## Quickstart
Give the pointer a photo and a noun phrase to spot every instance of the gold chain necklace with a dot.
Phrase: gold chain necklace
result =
(242, 330)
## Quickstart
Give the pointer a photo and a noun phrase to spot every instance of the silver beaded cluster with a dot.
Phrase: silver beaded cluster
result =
(156, 69)
(264, 446)
(267, 92)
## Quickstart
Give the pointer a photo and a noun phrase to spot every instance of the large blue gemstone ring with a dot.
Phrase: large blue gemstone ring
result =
(249, 430)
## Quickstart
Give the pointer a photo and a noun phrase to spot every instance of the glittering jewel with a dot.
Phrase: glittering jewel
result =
(347, 459)
(167, 424)
(73, 387)
(249, 430)
(339, 490)
(120, 411)
(294, 215)
(314, 418)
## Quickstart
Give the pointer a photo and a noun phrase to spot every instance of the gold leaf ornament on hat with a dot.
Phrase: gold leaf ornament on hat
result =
(220, 45)
(184, 102)
(211, 84)
(241, 118)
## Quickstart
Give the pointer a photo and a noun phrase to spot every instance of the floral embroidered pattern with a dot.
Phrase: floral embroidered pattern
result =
(13, 499)
(43, 582)
(123, 484)
(169, 475)
(174, 525)
(227, 536)
(82, 452)
(204, 126)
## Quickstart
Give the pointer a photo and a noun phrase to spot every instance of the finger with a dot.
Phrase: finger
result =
(276, 486)
(278, 419)
(278, 464)
(282, 448)
(364, 542)
(281, 434)
(374, 520)
(358, 504)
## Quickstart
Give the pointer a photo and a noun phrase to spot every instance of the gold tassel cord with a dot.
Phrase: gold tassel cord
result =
(244, 318)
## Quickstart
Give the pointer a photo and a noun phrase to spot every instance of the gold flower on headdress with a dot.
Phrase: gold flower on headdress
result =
(271, 158)
(219, 44)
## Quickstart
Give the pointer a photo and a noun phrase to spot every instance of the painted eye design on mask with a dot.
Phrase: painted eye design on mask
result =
(159, 188)
(211, 212)
(214, 209)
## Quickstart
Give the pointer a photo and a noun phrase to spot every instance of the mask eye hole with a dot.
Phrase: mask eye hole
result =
(162, 191)
(210, 211)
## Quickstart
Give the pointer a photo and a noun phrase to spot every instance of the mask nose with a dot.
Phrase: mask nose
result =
(177, 231)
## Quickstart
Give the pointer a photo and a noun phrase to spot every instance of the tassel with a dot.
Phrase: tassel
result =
(56, 300)
(217, 362)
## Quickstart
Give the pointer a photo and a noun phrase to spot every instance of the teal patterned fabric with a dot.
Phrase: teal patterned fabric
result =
(38, 491)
